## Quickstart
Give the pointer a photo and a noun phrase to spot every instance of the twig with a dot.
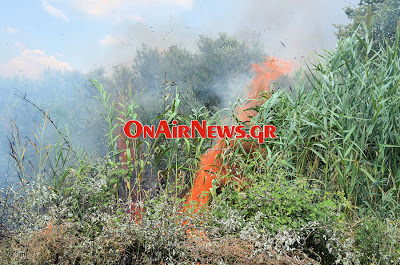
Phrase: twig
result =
(51, 121)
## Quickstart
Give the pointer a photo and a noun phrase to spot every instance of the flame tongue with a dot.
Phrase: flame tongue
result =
(265, 74)
(211, 164)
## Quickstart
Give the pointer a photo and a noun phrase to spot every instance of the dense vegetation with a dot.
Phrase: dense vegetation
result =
(326, 191)
(377, 17)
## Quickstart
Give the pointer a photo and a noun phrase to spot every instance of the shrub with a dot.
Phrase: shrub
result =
(276, 203)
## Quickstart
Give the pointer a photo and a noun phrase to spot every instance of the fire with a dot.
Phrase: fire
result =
(48, 228)
(265, 74)
(211, 164)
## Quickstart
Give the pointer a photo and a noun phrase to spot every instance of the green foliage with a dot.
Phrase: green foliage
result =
(378, 241)
(178, 158)
(109, 116)
(89, 192)
(378, 18)
(275, 203)
(325, 191)
(342, 127)
(207, 72)
(219, 61)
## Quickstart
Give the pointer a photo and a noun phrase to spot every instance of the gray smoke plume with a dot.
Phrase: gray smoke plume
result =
(288, 29)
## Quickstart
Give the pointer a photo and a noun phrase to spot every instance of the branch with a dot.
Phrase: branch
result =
(51, 121)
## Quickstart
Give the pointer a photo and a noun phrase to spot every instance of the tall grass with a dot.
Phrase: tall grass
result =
(342, 126)
(168, 165)
(338, 135)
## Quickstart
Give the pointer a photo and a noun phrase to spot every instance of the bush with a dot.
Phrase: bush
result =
(275, 203)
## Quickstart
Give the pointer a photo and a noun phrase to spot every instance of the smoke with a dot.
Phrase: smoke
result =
(288, 29)
(291, 29)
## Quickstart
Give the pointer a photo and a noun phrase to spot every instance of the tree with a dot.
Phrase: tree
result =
(221, 60)
(206, 73)
(380, 17)
(147, 66)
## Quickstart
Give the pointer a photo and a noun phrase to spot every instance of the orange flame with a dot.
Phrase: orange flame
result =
(265, 74)
(211, 164)
(48, 228)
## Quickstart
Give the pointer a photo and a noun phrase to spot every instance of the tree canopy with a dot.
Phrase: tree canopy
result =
(380, 17)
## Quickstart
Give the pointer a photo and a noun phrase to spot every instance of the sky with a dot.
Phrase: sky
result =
(84, 34)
